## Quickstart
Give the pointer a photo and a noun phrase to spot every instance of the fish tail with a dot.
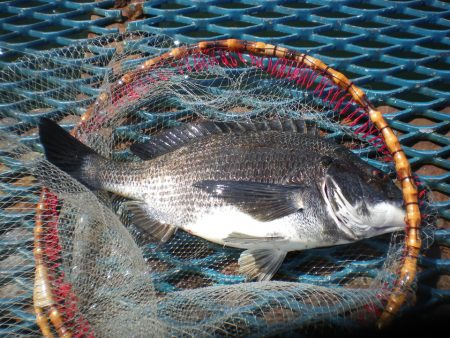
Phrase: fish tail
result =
(68, 154)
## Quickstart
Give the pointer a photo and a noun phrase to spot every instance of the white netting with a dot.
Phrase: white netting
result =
(107, 277)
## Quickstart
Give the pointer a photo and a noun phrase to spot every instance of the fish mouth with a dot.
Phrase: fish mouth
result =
(354, 223)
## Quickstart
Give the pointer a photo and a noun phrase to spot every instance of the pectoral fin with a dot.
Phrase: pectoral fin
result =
(265, 202)
(145, 219)
(261, 264)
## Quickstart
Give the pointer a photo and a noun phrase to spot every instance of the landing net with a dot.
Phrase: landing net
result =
(97, 274)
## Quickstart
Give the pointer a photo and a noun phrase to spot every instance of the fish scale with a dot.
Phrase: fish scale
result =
(207, 161)
(268, 188)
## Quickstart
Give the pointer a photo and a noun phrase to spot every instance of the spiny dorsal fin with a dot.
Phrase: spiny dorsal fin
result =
(177, 137)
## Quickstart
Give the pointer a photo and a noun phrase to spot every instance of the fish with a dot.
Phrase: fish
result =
(266, 187)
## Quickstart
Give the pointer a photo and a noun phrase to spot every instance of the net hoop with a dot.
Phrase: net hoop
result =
(45, 303)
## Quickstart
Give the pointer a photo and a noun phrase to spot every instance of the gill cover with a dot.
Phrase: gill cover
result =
(342, 211)
(359, 211)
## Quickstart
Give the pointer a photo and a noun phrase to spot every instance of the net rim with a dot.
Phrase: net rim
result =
(44, 304)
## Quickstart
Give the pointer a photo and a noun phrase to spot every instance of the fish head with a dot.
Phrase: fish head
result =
(363, 201)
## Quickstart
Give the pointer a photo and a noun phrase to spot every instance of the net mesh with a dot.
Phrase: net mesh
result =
(101, 273)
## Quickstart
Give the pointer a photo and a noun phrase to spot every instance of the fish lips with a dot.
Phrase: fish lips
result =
(361, 221)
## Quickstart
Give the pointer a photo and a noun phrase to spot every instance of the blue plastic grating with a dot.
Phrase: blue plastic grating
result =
(334, 261)
(397, 51)
(28, 26)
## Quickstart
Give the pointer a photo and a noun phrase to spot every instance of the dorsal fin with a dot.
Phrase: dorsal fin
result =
(177, 137)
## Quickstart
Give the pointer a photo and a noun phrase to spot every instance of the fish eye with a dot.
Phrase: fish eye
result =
(326, 161)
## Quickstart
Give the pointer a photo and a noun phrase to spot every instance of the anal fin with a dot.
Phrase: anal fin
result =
(261, 263)
(145, 220)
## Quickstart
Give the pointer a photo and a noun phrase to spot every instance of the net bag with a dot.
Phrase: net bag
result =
(98, 274)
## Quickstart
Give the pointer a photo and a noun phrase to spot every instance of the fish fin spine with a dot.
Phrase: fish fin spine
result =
(261, 263)
(177, 137)
(145, 221)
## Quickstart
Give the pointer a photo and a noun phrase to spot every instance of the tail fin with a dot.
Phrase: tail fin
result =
(66, 152)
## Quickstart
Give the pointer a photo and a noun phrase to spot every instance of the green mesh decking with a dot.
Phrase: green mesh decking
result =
(397, 51)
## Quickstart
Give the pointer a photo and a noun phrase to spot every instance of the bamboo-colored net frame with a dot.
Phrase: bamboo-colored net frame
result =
(43, 300)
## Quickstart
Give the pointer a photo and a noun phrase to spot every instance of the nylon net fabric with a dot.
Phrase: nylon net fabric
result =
(100, 272)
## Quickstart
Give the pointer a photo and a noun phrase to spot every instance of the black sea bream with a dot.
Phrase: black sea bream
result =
(266, 187)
